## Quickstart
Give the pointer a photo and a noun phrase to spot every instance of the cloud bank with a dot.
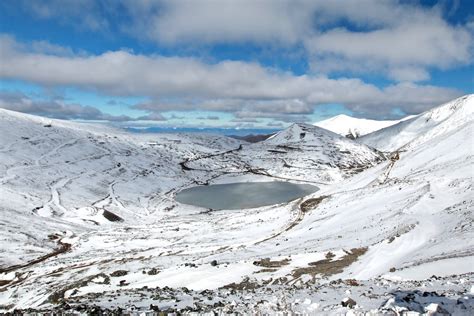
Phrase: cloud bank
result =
(245, 89)
(400, 40)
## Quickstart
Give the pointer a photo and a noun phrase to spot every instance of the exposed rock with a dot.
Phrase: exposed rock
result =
(111, 216)
(267, 263)
(348, 302)
(153, 271)
(119, 273)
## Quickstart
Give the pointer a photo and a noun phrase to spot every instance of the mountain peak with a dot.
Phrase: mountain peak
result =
(343, 124)
(300, 132)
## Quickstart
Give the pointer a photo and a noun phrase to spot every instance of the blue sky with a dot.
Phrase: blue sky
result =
(233, 63)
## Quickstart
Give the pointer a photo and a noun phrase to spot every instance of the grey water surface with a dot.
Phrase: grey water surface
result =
(242, 195)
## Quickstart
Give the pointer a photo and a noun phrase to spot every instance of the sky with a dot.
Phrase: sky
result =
(241, 63)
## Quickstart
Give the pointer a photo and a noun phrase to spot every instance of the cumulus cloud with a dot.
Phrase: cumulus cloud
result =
(177, 83)
(404, 52)
(229, 21)
(401, 40)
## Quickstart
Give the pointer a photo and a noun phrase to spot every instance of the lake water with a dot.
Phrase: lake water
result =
(234, 196)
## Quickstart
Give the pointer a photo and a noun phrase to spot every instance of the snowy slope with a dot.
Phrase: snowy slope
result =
(344, 125)
(77, 172)
(301, 148)
(423, 127)
(74, 172)
(300, 152)
(384, 229)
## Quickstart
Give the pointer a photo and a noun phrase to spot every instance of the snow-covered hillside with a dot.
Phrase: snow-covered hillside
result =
(88, 216)
(309, 153)
(347, 125)
(423, 127)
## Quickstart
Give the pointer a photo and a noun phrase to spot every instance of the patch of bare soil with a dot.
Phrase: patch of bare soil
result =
(303, 208)
(266, 270)
(58, 296)
(288, 148)
(267, 263)
(327, 267)
(5, 282)
(310, 204)
(246, 284)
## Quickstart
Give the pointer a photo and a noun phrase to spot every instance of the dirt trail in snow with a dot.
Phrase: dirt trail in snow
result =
(246, 167)
(262, 172)
(394, 157)
(183, 163)
(7, 177)
(301, 211)
(55, 150)
(63, 247)
(54, 202)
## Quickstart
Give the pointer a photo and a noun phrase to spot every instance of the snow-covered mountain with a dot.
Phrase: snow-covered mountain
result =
(303, 147)
(441, 120)
(347, 125)
(88, 216)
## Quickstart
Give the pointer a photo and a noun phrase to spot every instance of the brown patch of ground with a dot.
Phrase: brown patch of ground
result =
(266, 270)
(330, 255)
(5, 282)
(352, 282)
(288, 148)
(310, 204)
(267, 263)
(19, 277)
(328, 267)
(246, 284)
(58, 296)
(303, 208)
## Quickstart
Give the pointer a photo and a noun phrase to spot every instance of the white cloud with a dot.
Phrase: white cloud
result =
(174, 83)
(230, 21)
(404, 51)
(401, 41)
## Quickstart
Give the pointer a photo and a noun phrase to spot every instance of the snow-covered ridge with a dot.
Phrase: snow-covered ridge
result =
(423, 127)
(347, 125)
(300, 133)
(307, 147)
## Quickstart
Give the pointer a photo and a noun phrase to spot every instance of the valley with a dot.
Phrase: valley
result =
(90, 219)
